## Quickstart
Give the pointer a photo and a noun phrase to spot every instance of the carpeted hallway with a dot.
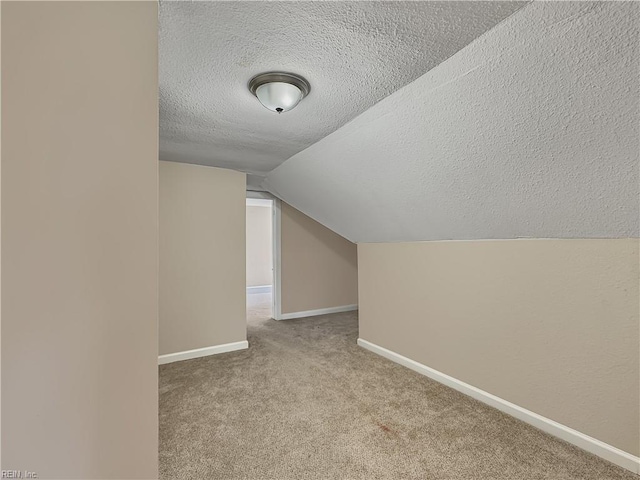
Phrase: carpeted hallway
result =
(305, 402)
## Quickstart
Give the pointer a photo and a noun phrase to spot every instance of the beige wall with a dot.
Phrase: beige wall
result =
(319, 268)
(202, 257)
(79, 239)
(550, 325)
(0, 240)
(259, 246)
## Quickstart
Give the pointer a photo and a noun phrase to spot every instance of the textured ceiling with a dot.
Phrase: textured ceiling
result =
(530, 131)
(353, 53)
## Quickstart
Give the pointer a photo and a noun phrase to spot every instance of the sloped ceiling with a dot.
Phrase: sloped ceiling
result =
(530, 131)
(353, 53)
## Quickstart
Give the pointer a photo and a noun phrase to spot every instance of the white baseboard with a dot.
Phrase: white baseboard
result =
(202, 352)
(259, 289)
(590, 444)
(320, 311)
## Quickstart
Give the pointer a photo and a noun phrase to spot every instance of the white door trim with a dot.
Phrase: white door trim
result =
(258, 202)
(276, 307)
(276, 310)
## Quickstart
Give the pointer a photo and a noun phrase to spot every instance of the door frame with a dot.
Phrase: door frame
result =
(276, 283)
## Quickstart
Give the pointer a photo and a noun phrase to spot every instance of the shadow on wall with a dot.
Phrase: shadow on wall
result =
(307, 226)
(318, 267)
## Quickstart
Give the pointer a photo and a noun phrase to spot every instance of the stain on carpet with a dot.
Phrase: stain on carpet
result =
(304, 402)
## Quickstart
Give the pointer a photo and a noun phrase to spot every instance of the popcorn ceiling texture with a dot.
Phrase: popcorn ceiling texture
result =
(530, 131)
(353, 54)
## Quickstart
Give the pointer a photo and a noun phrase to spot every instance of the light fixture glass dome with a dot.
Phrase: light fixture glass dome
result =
(279, 91)
(279, 96)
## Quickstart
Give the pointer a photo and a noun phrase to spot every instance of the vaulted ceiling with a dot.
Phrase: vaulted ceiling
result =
(533, 130)
(354, 54)
(426, 120)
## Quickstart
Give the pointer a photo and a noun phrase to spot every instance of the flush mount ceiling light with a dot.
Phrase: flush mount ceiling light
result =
(279, 91)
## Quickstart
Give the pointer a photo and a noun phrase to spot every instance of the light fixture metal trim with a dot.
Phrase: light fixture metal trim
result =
(283, 77)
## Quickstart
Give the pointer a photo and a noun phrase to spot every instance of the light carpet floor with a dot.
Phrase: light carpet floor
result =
(305, 402)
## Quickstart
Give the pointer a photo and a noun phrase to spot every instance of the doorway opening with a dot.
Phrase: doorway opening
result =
(262, 254)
